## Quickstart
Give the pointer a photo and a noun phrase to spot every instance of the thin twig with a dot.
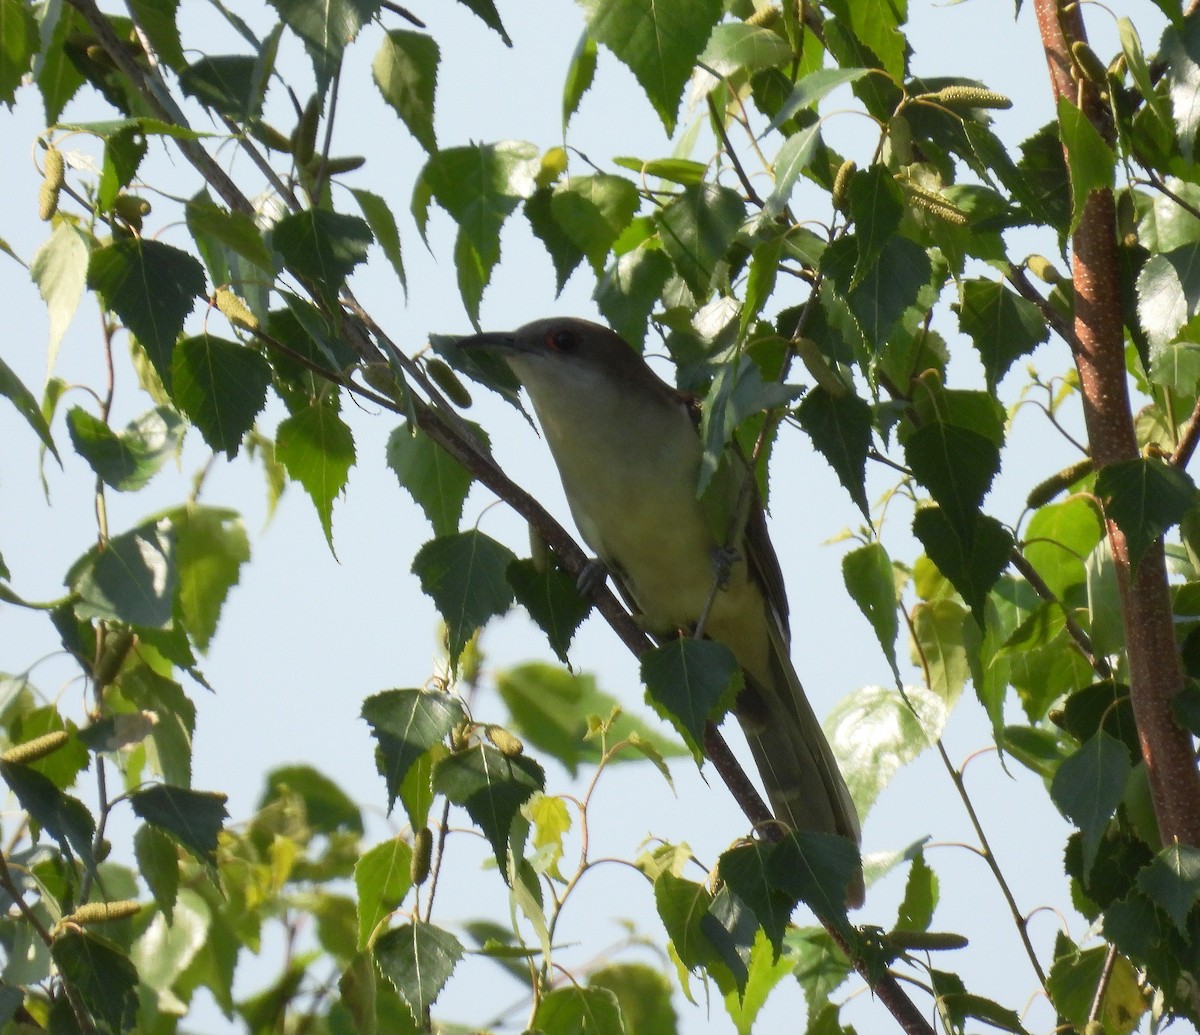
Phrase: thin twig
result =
(1058, 321)
(1188, 440)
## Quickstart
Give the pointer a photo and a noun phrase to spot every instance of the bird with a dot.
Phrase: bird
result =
(629, 455)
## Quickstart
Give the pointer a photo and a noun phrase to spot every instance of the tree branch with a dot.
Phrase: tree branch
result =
(1155, 674)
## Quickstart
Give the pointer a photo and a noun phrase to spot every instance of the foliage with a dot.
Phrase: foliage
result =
(247, 305)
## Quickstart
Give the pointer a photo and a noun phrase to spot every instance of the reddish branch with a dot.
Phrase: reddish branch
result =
(1155, 674)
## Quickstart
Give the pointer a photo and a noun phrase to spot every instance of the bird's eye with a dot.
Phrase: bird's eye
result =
(561, 340)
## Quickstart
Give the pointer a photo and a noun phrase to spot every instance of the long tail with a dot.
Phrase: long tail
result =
(801, 776)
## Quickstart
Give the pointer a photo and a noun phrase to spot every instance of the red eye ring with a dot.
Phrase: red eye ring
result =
(562, 340)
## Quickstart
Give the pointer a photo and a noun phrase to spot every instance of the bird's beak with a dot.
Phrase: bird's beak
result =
(499, 341)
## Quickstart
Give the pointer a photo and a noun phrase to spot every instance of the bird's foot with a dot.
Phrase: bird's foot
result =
(723, 560)
(591, 578)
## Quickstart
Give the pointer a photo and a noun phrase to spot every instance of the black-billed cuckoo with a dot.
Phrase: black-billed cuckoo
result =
(629, 456)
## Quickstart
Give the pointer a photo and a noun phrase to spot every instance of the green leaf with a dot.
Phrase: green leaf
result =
(101, 974)
(1059, 537)
(552, 600)
(920, 897)
(1090, 160)
(1075, 978)
(326, 27)
(492, 787)
(564, 252)
(192, 819)
(580, 73)
(152, 287)
(1168, 295)
(1002, 325)
(682, 906)
(881, 296)
(234, 231)
(593, 211)
(382, 877)
(737, 46)
(222, 386)
(631, 288)
(957, 465)
(173, 733)
(684, 171)
(157, 19)
(974, 561)
(327, 809)
(876, 206)
(437, 482)
(18, 45)
(812, 88)
(817, 869)
(745, 870)
(58, 78)
(406, 724)
(840, 429)
(158, 863)
(1145, 497)
(871, 582)
(643, 994)
(317, 449)
(128, 460)
(688, 682)
(63, 817)
(697, 228)
(1088, 786)
(574, 1010)
(764, 970)
(405, 70)
(874, 732)
(479, 186)
(165, 950)
(322, 246)
(551, 707)
(464, 574)
(485, 11)
(1173, 882)
(1183, 76)
(383, 225)
(27, 406)
(59, 269)
(794, 157)
(231, 84)
(131, 580)
(658, 43)
(418, 959)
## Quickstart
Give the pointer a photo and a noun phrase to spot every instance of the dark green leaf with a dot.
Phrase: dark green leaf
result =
(1144, 497)
(876, 206)
(317, 448)
(689, 682)
(437, 482)
(812, 88)
(879, 298)
(971, 557)
(745, 871)
(551, 708)
(485, 11)
(158, 863)
(840, 429)
(564, 252)
(659, 43)
(552, 600)
(131, 580)
(326, 27)
(1088, 786)
(327, 808)
(157, 19)
(58, 77)
(817, 869)
(956, 464)
(874, 732)
(26, 405)
(920, 897)
(697, 229)
(464, 574)
(129, 459)
(574, 1010)
(383, 225)
(235, 231)
(1090, 160)
(492, 787)
(1002, 325)
(682, 906)
(406, 724)
(322, 246)
(578, 81)
(1105, 705)
(101, 974)
(382, 877)
(152, 287)
(643, 994)
(1173, 882)
(18, 45)
(63, 817)
(405, 70)
(222, 386)
(871, 581)
(630, 289)
(231, 84)
(593, 211)
(961, 1005)
(418, 959)
(193, 819)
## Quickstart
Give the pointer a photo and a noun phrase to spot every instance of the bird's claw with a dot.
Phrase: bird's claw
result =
(591, 577)
(723, 560)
